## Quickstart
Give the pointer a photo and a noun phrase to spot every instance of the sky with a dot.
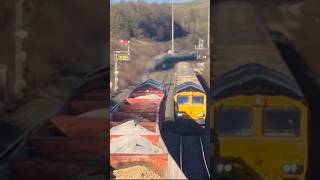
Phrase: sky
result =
(152, 1)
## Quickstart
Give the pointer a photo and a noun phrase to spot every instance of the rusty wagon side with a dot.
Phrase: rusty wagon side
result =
(145, 105)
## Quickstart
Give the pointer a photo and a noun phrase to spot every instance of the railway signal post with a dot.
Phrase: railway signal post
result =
(121, 56)
(172, 27)
(115, 72)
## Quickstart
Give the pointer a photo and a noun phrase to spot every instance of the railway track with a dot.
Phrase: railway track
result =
(193, 161)
(164, 76)
(169, 110)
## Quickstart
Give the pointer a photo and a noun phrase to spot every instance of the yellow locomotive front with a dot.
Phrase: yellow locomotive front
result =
(259, 114)
(261, 137)
(190, 98)
(261, 127)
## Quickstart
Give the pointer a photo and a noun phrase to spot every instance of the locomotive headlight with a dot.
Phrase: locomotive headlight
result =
(220, 168)
(179, 114)
(286, 168)
(292, 169)
(224, 168)
(227, 167)
(200, 114)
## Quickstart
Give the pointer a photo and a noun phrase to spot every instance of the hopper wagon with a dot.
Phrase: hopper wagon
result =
(144, 106)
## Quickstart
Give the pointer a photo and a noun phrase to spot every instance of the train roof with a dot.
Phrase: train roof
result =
(240, 40)
(186, 79)
(153, 83)
(189, 86)
(184, 69)
(255, 79)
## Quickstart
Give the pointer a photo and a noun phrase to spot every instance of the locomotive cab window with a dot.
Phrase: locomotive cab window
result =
(198, 100)
(183, 100)
(281, 122)
(234, 122)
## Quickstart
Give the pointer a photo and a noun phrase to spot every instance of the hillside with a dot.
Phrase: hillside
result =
(193, 17)
(148, 26)
(153, 21)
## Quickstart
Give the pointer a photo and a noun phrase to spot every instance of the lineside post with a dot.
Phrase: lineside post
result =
(116, 72)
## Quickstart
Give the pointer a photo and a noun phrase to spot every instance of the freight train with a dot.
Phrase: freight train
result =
(137, 150)
(259, 114)
(72, 144)
(190, 100)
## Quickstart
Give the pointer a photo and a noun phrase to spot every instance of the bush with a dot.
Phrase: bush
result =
(142, 20)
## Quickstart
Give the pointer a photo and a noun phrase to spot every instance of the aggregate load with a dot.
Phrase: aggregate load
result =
(135, 172)
(151, 96)
(134, 145)
(137, 150)
(130, 128)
